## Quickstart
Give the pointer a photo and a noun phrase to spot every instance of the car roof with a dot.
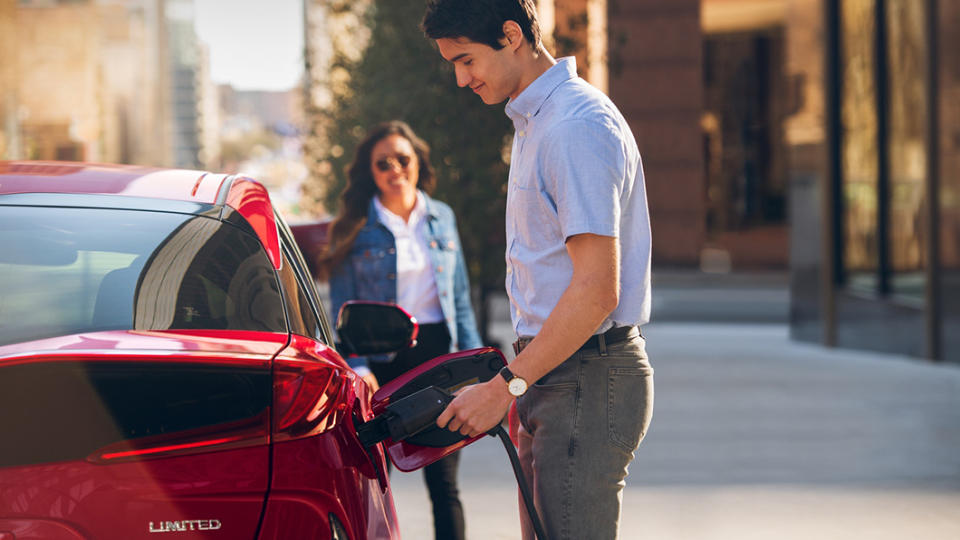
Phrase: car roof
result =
(104, 179)
(245, 195)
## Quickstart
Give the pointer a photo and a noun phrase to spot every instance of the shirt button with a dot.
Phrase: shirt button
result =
(391, 251)
(522, 133)
(391, 276)
(433, 244)
(509, 270)
(439, 269)
(527, 115)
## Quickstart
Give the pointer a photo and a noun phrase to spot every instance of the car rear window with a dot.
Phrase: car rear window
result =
(72, 270)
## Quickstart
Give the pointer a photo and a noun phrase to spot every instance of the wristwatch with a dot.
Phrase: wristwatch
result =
(515, 385)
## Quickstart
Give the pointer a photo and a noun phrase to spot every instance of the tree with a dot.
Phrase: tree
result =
(400, 75)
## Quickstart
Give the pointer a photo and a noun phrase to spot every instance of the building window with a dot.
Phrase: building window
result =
(883, 115)
(743, 142)
(859, 156)
(907, 145)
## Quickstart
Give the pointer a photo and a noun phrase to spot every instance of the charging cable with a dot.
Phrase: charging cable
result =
(415, 413)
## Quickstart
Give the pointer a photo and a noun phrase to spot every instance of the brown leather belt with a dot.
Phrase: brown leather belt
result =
(611, 336)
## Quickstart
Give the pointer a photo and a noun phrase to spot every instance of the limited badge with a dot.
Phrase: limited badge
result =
(185, 525)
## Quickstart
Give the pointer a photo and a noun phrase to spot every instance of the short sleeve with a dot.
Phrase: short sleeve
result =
(584, 166)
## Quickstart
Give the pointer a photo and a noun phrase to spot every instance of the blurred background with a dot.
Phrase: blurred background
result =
(814, 142)
(801, 162)
(808, 139)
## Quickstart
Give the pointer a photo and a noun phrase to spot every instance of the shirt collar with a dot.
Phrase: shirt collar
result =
(385, 216)
(532, 97)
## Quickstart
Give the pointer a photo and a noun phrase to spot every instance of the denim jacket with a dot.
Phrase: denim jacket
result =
(370, 273)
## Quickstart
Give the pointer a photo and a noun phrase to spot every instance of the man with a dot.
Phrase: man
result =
(578, 269)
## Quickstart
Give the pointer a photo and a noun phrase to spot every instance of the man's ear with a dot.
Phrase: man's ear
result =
(512, 35)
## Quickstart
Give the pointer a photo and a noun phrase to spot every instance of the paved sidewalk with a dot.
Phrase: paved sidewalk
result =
(693, 296)
(758, 437)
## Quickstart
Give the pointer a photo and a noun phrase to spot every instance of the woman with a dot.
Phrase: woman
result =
(391, 242)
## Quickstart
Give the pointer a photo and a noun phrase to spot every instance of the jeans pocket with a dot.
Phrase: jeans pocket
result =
(629, 405)
(566, 376)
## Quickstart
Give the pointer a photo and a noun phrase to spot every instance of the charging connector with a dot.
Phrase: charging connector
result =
(415, 413)
(405, 417)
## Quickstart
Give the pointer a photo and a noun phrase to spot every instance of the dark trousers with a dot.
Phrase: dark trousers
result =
(440, 477)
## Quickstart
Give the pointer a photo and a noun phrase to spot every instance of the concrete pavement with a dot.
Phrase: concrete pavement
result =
(758, 437)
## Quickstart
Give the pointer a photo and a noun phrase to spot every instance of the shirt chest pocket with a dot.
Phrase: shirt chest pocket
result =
(533, 217)
(443, 257)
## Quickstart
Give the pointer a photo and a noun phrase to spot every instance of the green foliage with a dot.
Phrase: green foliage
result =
(402, 76)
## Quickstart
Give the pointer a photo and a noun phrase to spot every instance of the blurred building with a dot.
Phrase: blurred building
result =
(876, 206)
(9, 87)
(211, 114)
(841, 115)
(276, 110)
(186, 89)
(101, 80)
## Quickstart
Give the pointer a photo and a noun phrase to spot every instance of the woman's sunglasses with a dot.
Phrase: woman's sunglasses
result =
(386, 163)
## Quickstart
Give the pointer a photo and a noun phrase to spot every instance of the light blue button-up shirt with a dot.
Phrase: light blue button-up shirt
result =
(574, 169)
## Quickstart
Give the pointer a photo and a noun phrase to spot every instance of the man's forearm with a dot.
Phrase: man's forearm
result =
(577, 315)
(592, 295)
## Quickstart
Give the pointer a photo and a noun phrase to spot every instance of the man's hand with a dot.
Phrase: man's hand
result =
(372, 382)
(477, 408)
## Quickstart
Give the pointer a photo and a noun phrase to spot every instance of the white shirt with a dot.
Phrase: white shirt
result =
(416, 286)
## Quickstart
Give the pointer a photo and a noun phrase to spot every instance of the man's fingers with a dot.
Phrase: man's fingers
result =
(448, 418)
(444, 417)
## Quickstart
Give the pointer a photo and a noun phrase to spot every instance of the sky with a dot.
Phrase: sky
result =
(254, 44)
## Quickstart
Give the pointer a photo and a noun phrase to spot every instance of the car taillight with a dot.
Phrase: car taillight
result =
(250, 432)
(306, 398)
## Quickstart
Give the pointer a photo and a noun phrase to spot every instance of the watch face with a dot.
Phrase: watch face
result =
(517, 386)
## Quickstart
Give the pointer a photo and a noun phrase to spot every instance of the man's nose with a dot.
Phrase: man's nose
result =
(463, 78)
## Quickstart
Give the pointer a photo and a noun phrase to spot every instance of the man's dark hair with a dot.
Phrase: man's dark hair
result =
(480, 21)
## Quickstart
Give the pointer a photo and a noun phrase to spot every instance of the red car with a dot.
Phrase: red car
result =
(166, 368)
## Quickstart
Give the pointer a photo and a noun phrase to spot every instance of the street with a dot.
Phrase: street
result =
(756, 436)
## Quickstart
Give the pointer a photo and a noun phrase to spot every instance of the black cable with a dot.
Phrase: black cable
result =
(521, 480)
(414, 413)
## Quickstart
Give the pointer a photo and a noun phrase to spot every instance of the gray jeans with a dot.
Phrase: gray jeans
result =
(579, 427)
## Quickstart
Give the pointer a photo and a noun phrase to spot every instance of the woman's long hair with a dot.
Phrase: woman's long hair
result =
(361, 188)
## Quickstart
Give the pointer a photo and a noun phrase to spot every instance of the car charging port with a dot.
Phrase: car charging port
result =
(405, 417)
